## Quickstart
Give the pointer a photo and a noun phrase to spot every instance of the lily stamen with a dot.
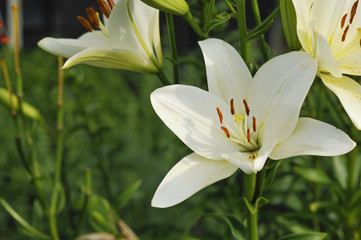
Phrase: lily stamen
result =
(225, 130)
(93, 17)
(353, 11)
(246, 106)
(104, 8)
(345, 33)
(220, 115)
(85, 23)
(248, 135)
(254, 124)
(111, 4)
(232, 107)
(343, 20)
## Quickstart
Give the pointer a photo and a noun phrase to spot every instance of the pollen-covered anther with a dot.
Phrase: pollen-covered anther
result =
(254, 124)
(93, 17)
(345, 33)
(249, 135)
(104, 7)
(225, 130)
(353, 11)
(246, 106)
(232, 107)
(220, 115)
(111, 4)
(85, 23)
(343, 20)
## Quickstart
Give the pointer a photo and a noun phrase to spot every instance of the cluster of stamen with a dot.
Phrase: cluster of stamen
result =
(93, 16)
(244, 131)
(343, 21)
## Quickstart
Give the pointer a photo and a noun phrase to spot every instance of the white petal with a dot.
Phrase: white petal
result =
(303, 9)
(351, 63)
(250, 162)
(191, 114)
(313, 137)
(349, 93)
(187, 177)
(111, 58)
(67, 47)
(277, 92)
(326, 60)
(227, 75)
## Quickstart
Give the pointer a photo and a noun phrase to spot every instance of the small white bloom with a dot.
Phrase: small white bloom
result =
(330, 30)
(241, 121)
(128, 40)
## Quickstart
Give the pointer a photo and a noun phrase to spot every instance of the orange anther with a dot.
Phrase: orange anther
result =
(353, 11)
(246, 106)
(248, 135)
(93, 17)
(104, 7)
(232, 106)
(85, 23)
(343, 20)
(345, 33)
(220, 115)
(225, 130)
(254, 124)
(111, 3)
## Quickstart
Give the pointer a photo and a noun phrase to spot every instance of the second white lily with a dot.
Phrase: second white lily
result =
(128, 40)
(241, 121)
(330, 31)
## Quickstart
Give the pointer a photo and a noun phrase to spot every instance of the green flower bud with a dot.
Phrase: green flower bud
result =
(177, 7)
(289, 23)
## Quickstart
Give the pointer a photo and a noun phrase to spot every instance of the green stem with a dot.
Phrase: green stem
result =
(173, 46)
(164, 80)
(257, 18)
(191, 21)
(252, 226)
(250, 183)
(242, 29)
(59, 155)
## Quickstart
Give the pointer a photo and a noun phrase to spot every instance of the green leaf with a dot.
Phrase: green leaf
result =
(313, 175)
(221, 19)
(289, 22)
(235, 233)
(304, 236)
(252, 208)
(127, 194)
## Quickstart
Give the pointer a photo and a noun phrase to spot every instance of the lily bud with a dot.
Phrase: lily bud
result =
(289, 23)
(177, 7)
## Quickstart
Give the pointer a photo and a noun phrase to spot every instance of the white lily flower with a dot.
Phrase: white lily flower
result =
(128, 40)
(330, 30)
(241, 121)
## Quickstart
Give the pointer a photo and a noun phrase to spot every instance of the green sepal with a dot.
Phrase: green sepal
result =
(289, 22)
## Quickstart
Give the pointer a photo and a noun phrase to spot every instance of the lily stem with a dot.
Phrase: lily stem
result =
(173, 46)
(242, 29)
(163, 78)
(191, 21)
(59, 155)
(250, 184)
(257, 18)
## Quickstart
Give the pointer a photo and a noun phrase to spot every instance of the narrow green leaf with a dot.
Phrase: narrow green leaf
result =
(221, 19)
(340, 170)
(127, 194)
(289, 22)
(313, 175)
(30, 229)
(304, 236)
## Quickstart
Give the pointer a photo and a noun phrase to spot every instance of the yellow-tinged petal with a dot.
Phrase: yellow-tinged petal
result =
(349, 93)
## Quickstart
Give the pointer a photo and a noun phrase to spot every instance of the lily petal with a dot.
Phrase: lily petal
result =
(277, 92)
(326, 60)
(227, 75)
(349, 93)
(187, 177)
(351, 63)
(66, 47)
(313, 137)
(191, 114)
(111, 58)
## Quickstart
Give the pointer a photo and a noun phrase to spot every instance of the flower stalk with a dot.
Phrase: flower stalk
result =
(257, 18)
(173, 45)
(242, 30)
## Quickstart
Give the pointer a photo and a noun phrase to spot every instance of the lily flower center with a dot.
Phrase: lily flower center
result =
(244, 131)
(94, 20)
